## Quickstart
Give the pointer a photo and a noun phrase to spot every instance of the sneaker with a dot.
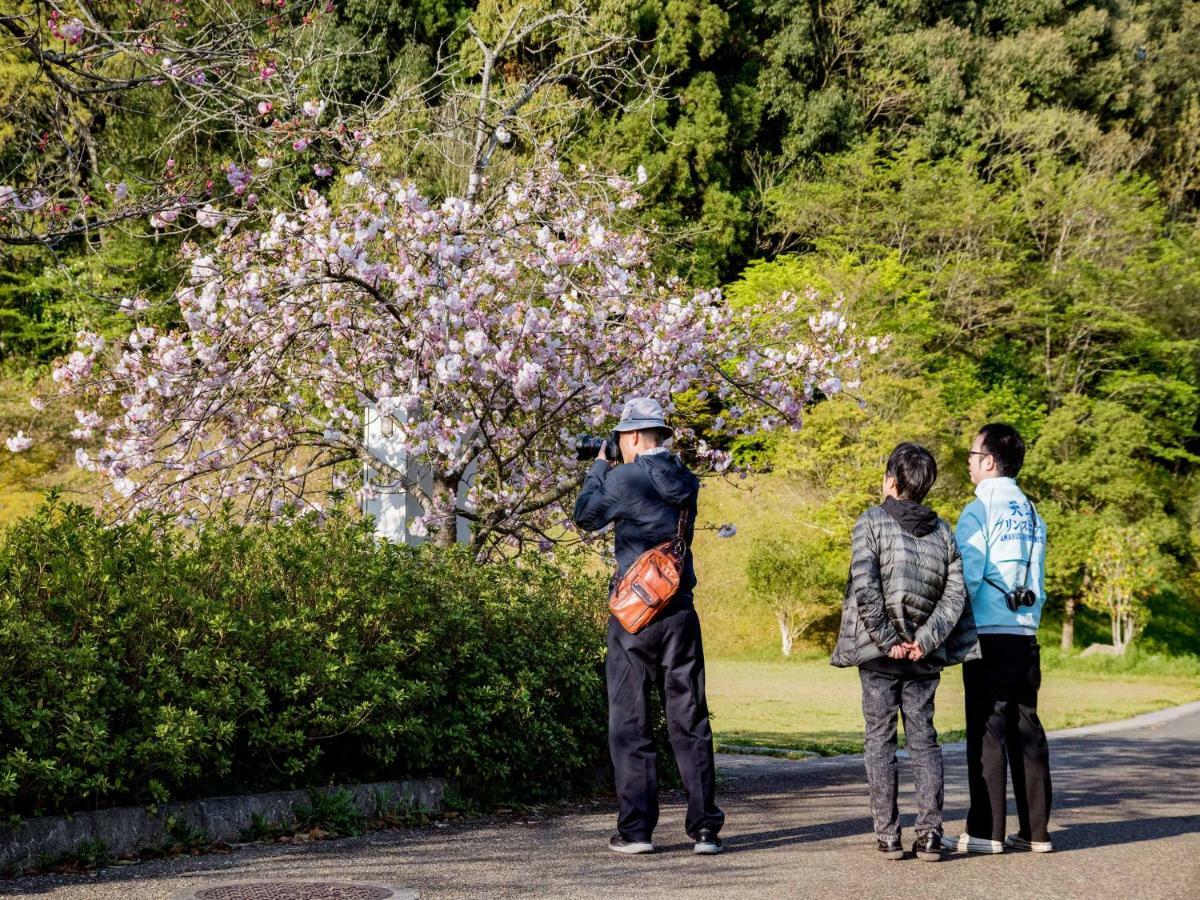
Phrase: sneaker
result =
(1016, 842)
(964, 843)
(889, 847)
(928, 846)
(707, 842)
(618, 843)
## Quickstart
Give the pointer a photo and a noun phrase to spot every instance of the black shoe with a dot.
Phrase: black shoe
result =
(618, 843)
(890, 847)
(707, 842)
(928, 846)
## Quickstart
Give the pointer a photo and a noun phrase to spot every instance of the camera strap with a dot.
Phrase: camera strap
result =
(1028, 559)
(679, 544)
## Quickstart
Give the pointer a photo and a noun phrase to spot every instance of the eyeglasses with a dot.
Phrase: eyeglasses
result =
(977, 453)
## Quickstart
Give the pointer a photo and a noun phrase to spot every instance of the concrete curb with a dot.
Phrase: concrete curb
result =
(780, 752)
(127, 830)
(1142, 721)
(1145, 720)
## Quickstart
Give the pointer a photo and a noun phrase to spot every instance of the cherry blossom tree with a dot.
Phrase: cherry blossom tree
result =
(489, 333)
(486, 327)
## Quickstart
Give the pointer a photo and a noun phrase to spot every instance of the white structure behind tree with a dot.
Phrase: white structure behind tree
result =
(395, 504)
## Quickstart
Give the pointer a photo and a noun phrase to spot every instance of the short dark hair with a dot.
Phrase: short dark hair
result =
(657, 436)
(914, 469)
(1005, 445)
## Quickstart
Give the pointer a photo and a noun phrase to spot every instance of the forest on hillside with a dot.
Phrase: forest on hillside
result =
(1010, 189)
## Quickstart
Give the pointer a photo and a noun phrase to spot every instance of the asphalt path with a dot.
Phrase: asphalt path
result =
(1126, 824)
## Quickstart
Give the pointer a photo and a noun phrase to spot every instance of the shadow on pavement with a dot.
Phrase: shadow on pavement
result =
(1121, 831)
(762, 840)
(1080, 836)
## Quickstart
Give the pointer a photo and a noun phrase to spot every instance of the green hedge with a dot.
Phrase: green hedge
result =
(140, 664)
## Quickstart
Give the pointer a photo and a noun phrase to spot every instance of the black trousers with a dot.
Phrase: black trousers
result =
(1004, 732)
(668, 654)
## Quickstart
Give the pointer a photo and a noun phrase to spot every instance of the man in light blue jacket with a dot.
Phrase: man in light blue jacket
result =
(1002, 540)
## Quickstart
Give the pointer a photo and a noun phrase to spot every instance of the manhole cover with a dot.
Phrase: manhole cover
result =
(298, 890)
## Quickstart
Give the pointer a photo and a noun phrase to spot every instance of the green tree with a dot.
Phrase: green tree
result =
(802, 579)
(1121, 574)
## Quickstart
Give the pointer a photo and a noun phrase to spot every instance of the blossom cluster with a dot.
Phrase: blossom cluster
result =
(216, 74)
(487, 333)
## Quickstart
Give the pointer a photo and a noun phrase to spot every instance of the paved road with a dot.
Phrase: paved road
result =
(1126, 825)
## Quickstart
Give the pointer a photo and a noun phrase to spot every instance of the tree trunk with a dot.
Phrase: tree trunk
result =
(1068, 628)
(785, 633)
(445, 502)
(1116, 632)
(1126, 632)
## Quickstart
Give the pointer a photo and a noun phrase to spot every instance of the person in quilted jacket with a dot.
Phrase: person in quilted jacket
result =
(905, 617)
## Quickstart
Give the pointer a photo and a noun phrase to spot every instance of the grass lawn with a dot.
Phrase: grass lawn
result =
(25, 477)
(809, 705)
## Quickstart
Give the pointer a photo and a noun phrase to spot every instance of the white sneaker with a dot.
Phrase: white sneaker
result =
(964, 843)
(707, 843)
(1016, 842)
(619, 844)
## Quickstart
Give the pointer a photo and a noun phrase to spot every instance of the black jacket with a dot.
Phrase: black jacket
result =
(644, 498)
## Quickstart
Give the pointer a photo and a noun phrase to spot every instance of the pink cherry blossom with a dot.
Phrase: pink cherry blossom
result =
(209, 217)
(72, 31)
(237, 177)
(488, 333)
(18, 443)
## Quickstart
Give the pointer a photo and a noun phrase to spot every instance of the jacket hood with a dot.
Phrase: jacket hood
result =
(670, 478)
(913, 517)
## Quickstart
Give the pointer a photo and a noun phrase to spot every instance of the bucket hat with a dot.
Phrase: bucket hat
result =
(642, 413)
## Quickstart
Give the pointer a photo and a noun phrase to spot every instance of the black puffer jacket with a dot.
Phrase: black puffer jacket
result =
(644, 499)
(904, 587)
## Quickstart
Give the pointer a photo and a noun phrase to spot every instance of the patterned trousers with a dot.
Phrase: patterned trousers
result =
(883, 696)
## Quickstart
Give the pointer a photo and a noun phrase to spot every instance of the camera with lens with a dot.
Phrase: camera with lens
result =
(588, 446)
(1018, 597)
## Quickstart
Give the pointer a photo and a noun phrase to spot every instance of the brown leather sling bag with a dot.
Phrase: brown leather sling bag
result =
(649, 584)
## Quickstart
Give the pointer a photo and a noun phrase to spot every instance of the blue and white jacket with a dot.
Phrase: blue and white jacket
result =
(994, 534)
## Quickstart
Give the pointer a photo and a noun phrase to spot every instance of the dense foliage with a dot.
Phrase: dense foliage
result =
(139, 664)
(1054, 297)
(1009, 189)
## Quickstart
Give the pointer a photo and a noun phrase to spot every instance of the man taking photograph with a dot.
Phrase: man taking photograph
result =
(644, 496)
